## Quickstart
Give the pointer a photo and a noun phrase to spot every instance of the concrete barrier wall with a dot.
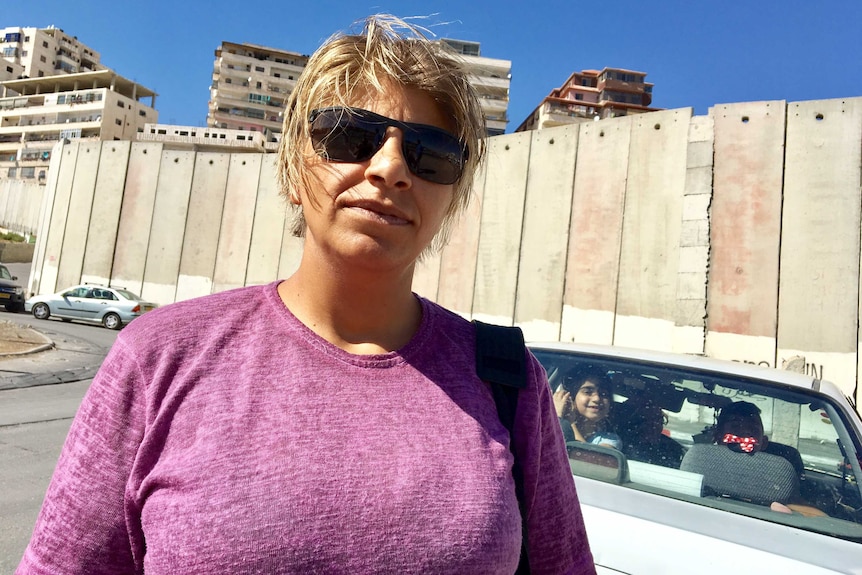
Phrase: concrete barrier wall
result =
(735, 234)
(20, 203)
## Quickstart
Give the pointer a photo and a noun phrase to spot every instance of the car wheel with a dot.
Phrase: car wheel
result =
(112, 321)
(41, 311)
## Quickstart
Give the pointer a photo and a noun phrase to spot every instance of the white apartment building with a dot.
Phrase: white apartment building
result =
(491, 77)
(36, 113)
(39, 52)
(206, 139)
(250, 86)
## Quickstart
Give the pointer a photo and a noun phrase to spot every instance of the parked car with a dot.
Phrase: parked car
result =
(112, 307)
(790, 504)
(11, 294)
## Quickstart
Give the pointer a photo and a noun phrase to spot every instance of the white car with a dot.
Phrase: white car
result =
(695, 501)
(113, 307)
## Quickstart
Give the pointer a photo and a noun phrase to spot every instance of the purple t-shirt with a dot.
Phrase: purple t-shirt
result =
(221, 435)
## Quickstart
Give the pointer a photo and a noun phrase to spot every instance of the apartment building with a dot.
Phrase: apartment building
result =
(39, 52)
(592, 95)
(251, 84)
(491, 77)
(250, 87)
(36, 113)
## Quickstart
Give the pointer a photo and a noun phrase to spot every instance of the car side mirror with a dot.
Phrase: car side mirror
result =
(597, 462)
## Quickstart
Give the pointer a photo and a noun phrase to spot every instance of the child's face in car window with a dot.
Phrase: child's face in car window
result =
(592, 401)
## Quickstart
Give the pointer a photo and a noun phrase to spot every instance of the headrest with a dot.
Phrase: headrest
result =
(760, 478)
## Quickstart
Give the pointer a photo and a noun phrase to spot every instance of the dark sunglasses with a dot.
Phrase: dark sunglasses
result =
(342, 134)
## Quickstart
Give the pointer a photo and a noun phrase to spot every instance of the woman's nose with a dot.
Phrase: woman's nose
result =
(388, 166)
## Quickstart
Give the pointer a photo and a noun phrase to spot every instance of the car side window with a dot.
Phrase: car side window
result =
(728, 442)
(77, 292)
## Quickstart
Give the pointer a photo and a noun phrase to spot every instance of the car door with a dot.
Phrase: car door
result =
(93, 304)
(71, 303)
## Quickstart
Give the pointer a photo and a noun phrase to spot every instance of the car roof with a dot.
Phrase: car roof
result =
(683, 360)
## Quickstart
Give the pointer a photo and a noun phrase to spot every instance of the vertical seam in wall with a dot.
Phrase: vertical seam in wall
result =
(221, 220)
(253, 220)
(66, 219)
(569, 236)
(118, 213)
(780, 235)
(185, 227)
(90, 212)
(622, 233)
(152, 217)
(523, 224)
(481, 200)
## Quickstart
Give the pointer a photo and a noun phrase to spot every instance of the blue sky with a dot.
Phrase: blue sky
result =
(698, 53)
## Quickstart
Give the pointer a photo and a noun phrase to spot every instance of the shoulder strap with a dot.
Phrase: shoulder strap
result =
(501, 361)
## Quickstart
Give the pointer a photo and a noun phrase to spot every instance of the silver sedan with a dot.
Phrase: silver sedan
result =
(110, 306)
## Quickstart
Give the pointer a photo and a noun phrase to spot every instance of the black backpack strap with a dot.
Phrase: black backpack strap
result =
(501, 361)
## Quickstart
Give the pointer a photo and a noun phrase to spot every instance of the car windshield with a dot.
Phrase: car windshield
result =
(738, 444)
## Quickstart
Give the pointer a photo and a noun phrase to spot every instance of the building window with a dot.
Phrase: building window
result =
(28, 172)
(118, 122)
(120, 105)
(44, 45)
(163, 132)
(258, 86)
(26, 38)
(24, 53)
(258, 68)
(227, 81)
(142, 113)
(9, 69)
(42, 174)
(42, 59)
(579, 96)
(12, 172)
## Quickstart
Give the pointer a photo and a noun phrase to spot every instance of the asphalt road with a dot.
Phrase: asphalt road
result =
(39, 396)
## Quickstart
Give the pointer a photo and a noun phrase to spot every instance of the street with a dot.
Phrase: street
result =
(36, 410)
(33, 425)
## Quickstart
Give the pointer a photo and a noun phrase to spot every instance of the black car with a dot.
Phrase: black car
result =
(11, 294)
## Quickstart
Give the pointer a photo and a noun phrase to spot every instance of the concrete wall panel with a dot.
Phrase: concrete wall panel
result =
(458, 260)
(820, 244)
(46, 209)
(58, 214)
(746, 209)
(105, 215)
(291, 247)
(237, 222)
(592, 271)
(545, 240)
(426, 276)
(500, 236)
(136, 216)
(170, 210)
(203, 225)
(266, 237)
(78, 219)
(649, 259)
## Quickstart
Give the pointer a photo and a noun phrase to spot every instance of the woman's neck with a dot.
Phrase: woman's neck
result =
(363, 313)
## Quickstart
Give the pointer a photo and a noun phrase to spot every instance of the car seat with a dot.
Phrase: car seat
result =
(760, 478)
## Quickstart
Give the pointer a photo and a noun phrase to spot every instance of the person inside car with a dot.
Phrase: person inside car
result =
(583, 404)
(218, 445)
(640, 423)
(740, 427)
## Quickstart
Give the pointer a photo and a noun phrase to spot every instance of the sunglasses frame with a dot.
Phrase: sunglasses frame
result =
(378, 125)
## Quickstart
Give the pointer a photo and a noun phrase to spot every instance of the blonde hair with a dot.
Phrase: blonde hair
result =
(388, 51)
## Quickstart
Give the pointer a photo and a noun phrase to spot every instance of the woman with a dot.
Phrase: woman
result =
(583, 403)
(290, 445)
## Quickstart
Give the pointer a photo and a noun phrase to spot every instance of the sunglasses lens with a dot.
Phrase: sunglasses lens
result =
(433, 156)
(339, 136)
(349, 135)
